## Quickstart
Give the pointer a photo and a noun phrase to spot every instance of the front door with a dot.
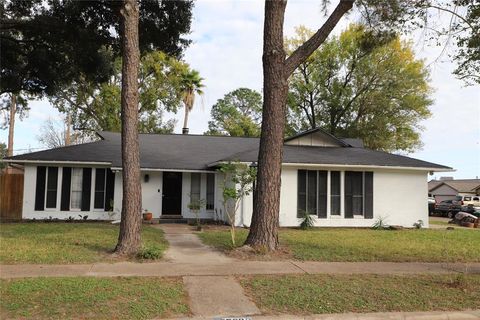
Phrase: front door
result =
(172, 193)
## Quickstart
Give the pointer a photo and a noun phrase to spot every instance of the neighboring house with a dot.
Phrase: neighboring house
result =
(449, 189)
(339, 181)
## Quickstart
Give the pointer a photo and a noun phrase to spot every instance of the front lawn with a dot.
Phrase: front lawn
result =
(92, 298)
(52, 243)
(342, 244)
(306, 294)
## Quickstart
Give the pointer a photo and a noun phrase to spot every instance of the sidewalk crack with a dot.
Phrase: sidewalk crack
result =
(296, 265)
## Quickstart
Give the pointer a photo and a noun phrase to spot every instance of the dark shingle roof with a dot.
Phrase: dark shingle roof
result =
(198, 152)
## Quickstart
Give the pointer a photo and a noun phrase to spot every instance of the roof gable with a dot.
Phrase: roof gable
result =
(315, 138)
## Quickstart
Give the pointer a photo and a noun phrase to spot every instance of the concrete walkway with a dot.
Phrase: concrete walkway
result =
(172, 269)
(186, 247)
(430, 315)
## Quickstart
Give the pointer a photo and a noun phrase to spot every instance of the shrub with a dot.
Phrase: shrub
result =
(151, 252)
(418, 224)
(308, 221)
(380, 224)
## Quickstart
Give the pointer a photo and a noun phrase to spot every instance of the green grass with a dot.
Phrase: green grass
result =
(329, 244)
(366, 293)
(61, 243)
(92, 298)
(440, 222)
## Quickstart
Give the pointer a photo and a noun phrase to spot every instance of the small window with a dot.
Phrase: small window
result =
(476, 199)
(467, 198)
(100, 182)
(312, 192)
(301, 193)
(76, 189)
(210, 191)
(195, 187)
(52, 181)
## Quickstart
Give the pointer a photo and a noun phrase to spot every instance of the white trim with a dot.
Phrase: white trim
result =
(57, 162)
(362, 166)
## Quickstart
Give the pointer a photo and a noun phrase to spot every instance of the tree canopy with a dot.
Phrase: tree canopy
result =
(47, 44)
(356, 86)
(238, 113)
(96, 106)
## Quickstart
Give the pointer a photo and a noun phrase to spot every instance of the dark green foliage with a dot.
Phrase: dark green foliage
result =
(41, 40)
(238, 113)
(361, 84)
(151, 252)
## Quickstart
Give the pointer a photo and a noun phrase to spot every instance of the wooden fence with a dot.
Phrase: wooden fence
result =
(11, 196)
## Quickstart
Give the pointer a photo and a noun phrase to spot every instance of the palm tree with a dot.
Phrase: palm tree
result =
(191, 85)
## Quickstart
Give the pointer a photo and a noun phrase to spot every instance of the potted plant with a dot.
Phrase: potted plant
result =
(147, 216)
(195, 206)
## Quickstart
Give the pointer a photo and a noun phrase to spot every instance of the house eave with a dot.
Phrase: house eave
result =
(356, 166)
(100, 163)
(166, 170)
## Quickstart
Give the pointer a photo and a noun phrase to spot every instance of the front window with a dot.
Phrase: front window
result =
(195, 188)
(76, 189)
(335, 193)
(210, 191)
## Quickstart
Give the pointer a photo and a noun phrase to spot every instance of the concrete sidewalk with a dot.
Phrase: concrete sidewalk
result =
(169, 269)
(431, 315)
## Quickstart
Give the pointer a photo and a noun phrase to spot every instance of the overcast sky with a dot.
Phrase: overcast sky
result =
(227, 50)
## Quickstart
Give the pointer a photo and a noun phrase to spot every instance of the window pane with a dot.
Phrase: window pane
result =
(210, 191)
(99, 201)
(195, 187)
(322, 194)
(76, 189)
(312, 192)
(335, 193)
(52, 180)
(301, 192)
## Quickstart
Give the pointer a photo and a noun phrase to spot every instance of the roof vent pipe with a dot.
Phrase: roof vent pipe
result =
(184, 130)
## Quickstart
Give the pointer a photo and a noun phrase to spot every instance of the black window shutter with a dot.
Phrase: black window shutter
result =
(99, 198)
(86, 188)
(66, 184)
(52, 187)
(322, 194)
(368, 195)
(109, 190)
(301, 193)
(348, 195)
(40, 189)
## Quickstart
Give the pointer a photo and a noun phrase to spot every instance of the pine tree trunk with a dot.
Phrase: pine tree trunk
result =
(129, 238)
(11, 124)
(276, 70)
(264, 226)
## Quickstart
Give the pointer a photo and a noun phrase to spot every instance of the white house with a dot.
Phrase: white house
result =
(337, 180)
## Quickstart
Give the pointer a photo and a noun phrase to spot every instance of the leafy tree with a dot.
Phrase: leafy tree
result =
(382, 16)
(96, 106)
(238, 113)
(40, 40)
(191, 85)
(467, 35)
(377, 93)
